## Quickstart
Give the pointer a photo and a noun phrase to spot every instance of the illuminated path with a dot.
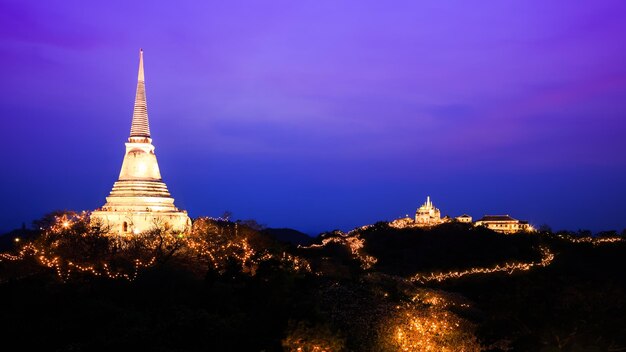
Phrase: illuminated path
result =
(547, 257)
(356, 245)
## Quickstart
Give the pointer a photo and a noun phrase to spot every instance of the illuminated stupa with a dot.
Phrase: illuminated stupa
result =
(140, 200)
(427, 214)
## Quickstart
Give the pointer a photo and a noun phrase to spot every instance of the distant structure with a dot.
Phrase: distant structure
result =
(140, 200)
(464, 219)
(503, 224)
(427, 214)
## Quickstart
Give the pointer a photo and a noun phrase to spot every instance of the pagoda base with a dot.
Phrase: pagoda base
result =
(135, 222)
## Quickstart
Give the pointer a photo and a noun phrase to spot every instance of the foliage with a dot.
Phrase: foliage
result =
(414, 328)
(303, 337)
(229, 286)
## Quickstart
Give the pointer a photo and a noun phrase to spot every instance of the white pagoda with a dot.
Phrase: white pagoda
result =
(140, 200)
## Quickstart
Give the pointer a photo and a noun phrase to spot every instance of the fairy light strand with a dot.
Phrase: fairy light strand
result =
(202, 243)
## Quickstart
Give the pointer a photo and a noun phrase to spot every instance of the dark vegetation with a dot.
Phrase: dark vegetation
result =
(288, 235)
(451, 246)
(271, 295)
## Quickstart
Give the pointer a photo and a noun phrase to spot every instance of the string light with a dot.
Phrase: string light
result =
(203, 244)
(595, 241)
(426, 324)
(214, 241)
(354, 243)
(546, 259)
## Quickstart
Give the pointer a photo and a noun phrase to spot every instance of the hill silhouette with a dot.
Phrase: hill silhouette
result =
(288, 235)
(231, 287)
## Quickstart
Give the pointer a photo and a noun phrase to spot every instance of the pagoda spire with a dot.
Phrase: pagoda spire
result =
(139, 126)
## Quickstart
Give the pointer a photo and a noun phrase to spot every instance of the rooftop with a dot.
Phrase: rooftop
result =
(497, 218)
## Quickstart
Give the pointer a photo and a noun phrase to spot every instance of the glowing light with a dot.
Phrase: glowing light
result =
(546, 259)
(215, 243)
(124, 257)
(354, 243)
(430, 328)
(595, 241)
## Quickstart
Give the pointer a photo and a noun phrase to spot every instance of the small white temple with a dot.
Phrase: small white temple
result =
(427, 214)
(140, 200)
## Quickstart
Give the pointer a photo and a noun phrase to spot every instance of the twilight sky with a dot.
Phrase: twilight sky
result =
(319, 115)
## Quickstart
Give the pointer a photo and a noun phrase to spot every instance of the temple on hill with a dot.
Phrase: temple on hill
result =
(140, 199)
(427, 214)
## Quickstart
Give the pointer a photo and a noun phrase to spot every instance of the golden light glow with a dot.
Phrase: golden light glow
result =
(53, 250)
(595, 241)
(546, 259)
(354, 243)
(216, 242)
(420, 326)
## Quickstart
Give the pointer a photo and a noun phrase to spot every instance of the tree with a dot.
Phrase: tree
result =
(610, 233)
(545, 229)
(252, 224)
(48, 220)
(227, 215)
(426, 328)
(305, 337)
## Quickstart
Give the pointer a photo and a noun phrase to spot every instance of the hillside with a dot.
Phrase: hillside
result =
(227, 287)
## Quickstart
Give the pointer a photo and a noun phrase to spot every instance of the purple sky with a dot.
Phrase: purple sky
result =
(321, 114)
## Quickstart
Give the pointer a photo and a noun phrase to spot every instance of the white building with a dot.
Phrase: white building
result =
(427, 214)
(464, 219)
(503, 224)
(140, 200)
